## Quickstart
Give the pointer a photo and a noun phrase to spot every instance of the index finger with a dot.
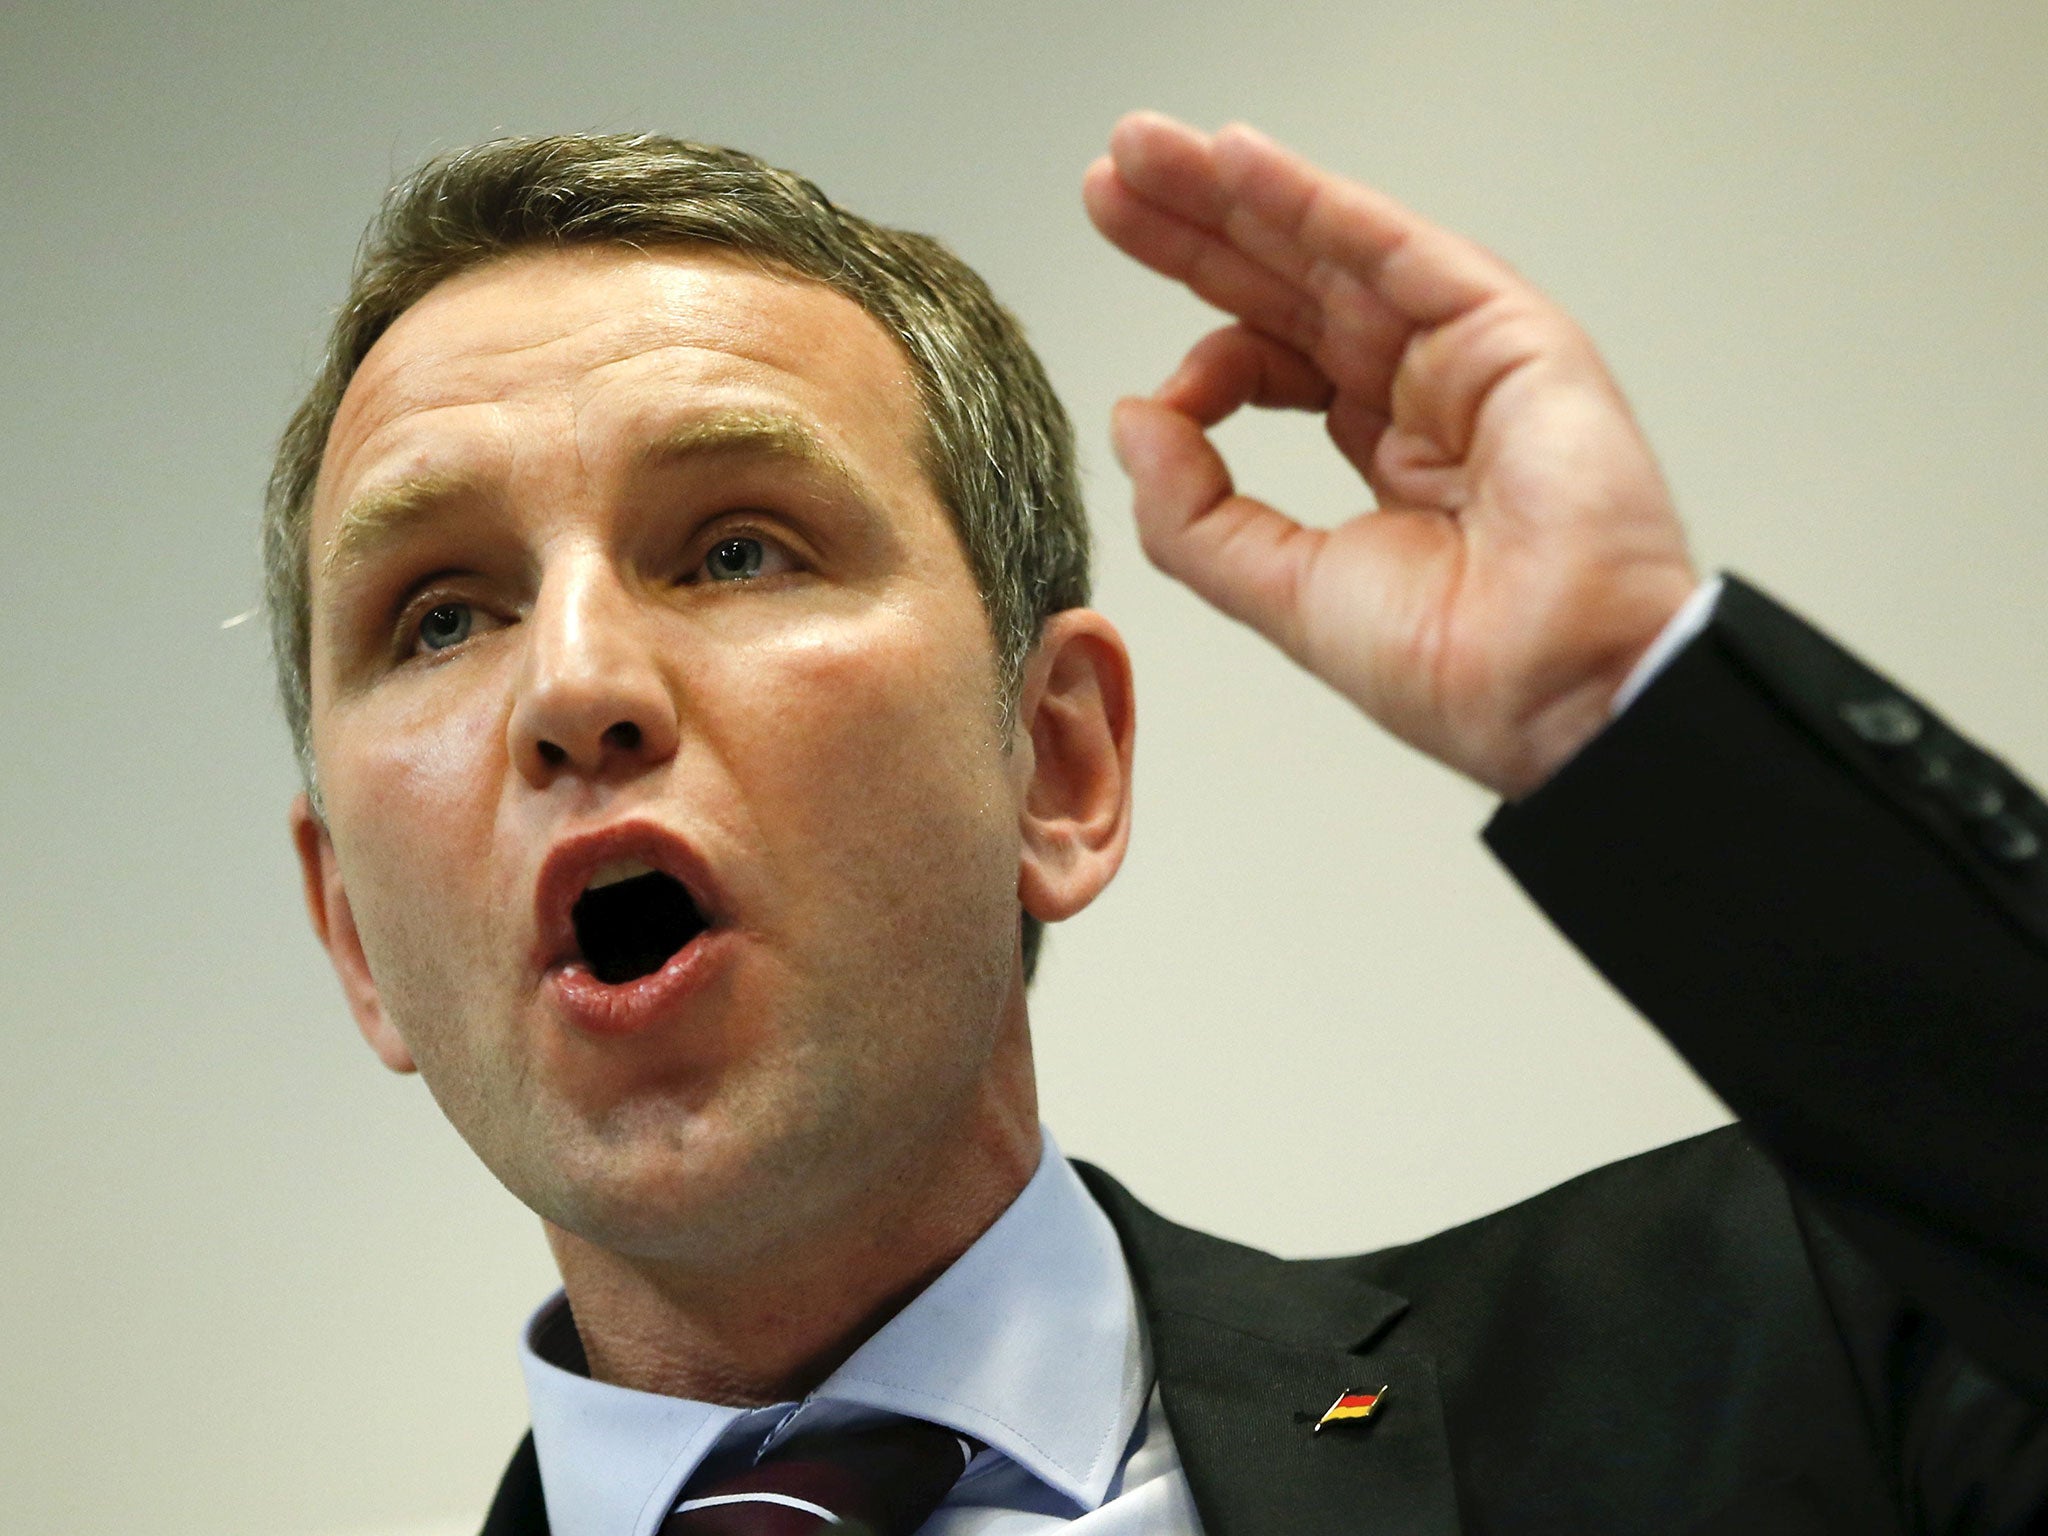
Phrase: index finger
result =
(1180, 249)
(1299, 212)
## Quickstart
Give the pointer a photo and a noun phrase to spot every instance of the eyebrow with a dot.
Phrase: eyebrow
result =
(386, 514)
(753, 434)
(381, 516)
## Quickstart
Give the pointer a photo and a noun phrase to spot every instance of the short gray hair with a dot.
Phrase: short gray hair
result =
(1000, 449)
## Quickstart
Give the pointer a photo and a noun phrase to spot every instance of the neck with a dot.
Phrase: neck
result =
(775, 1331)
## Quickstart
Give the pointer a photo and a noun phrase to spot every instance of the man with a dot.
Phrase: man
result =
(677, 584)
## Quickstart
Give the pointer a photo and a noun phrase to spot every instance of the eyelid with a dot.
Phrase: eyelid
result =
(441, 590)
(744, 525)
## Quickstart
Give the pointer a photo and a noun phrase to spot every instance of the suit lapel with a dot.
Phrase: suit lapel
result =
(1250, 1351)
(518, 1508)
(1243, 1409)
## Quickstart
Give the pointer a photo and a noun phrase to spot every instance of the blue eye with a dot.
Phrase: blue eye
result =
(734, 559)
(445, 625)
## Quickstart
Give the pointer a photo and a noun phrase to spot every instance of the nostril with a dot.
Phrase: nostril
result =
(623, 736)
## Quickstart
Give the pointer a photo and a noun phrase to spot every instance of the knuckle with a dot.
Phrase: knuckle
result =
(1153, 541)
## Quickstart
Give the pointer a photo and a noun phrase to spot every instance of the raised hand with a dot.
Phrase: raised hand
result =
(1525, 552)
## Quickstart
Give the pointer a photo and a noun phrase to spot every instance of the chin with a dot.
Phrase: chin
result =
(686, 1187)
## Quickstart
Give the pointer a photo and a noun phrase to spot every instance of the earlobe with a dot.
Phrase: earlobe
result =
(334, 925)
(1077, 711)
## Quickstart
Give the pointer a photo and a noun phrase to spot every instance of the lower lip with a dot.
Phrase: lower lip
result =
(632, 1007)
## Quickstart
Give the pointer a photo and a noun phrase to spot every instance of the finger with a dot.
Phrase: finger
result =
(1292, 210)
(1358, 425)
(1237, 553)
(1451, 373)
(1237, 366)
(1161, 196)
(1176, 169)
(1211, 267)
(1171, 168)
(1168, 163)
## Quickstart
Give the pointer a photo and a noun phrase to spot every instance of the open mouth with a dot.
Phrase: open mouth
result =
(631, 920)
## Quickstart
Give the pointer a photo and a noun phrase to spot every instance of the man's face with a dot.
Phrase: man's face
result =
(626, 561)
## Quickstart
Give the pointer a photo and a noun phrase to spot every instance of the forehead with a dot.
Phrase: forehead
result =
(615, 347)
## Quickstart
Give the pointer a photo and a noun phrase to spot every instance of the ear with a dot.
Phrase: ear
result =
(335, 925)
(1076, 720)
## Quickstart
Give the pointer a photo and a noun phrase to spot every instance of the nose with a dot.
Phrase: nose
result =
(593, 698)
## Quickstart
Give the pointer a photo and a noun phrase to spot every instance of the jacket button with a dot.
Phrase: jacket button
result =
(1888, 723)
(1929, 768)
(2010, 841)
(1974, 797)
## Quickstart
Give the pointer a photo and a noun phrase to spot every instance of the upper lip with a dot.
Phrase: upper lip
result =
(572, 863)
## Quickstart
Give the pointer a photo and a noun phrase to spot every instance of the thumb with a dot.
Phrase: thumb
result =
(1235, 552)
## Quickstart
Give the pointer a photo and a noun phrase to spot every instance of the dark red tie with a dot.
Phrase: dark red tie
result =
(884, 1480)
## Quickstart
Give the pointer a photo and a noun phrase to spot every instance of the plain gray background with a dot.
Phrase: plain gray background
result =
(252, 1283)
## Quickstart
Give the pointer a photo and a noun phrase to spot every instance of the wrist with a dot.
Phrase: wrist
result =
(1568, 722)
(1678, 631)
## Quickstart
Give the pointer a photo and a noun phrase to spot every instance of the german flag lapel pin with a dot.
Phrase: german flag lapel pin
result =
(1350, 1407)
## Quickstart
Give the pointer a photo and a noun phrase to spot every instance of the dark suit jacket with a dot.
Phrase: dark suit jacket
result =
(1831, 1319)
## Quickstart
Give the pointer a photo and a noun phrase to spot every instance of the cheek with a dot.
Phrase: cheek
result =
(432, 751)
(411, 786)
(875, 749)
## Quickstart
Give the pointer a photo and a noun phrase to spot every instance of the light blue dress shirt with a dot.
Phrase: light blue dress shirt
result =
(1031, 1342)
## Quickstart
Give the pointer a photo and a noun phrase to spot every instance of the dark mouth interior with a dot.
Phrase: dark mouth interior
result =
(630, 928)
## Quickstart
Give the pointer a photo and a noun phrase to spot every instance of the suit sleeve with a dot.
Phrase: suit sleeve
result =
(1836, 909)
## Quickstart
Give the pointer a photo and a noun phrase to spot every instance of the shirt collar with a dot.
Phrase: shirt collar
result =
(1030, 1342)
